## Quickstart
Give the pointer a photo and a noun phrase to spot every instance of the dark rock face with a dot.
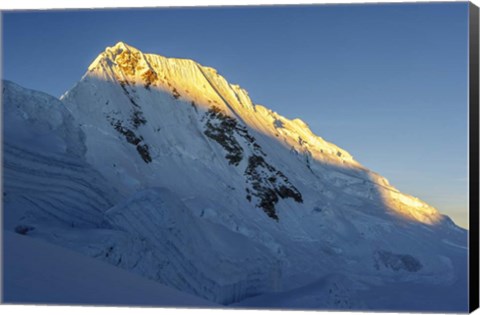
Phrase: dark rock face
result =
(266, 184)
(136, 120)
(128, 61)
(132, 138)
(149, 77)
(175, 94)
(222, 129)
(396, 262)
(24, 229)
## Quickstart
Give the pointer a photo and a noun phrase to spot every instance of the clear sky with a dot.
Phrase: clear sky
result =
(388, 83)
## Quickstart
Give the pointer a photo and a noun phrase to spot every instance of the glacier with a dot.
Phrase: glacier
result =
(161, 167)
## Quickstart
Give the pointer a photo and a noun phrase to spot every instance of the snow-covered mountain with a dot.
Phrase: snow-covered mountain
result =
(161, 167)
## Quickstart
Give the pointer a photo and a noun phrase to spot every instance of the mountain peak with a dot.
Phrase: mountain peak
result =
(191, 82)
(109, 56)
(129, 80)
(122, 46)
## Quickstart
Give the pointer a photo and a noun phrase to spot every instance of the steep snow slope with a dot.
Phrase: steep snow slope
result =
(50, 191)
(198, 248)
(45, 175)
(208, 193)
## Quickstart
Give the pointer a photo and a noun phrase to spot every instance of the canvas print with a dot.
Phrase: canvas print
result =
(267, 157)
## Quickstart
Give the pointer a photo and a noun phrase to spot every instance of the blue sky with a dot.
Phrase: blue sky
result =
(388, 83)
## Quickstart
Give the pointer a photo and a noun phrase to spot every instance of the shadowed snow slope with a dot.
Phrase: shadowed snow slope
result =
(61, 276)
(45, 175)
(161, 167)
